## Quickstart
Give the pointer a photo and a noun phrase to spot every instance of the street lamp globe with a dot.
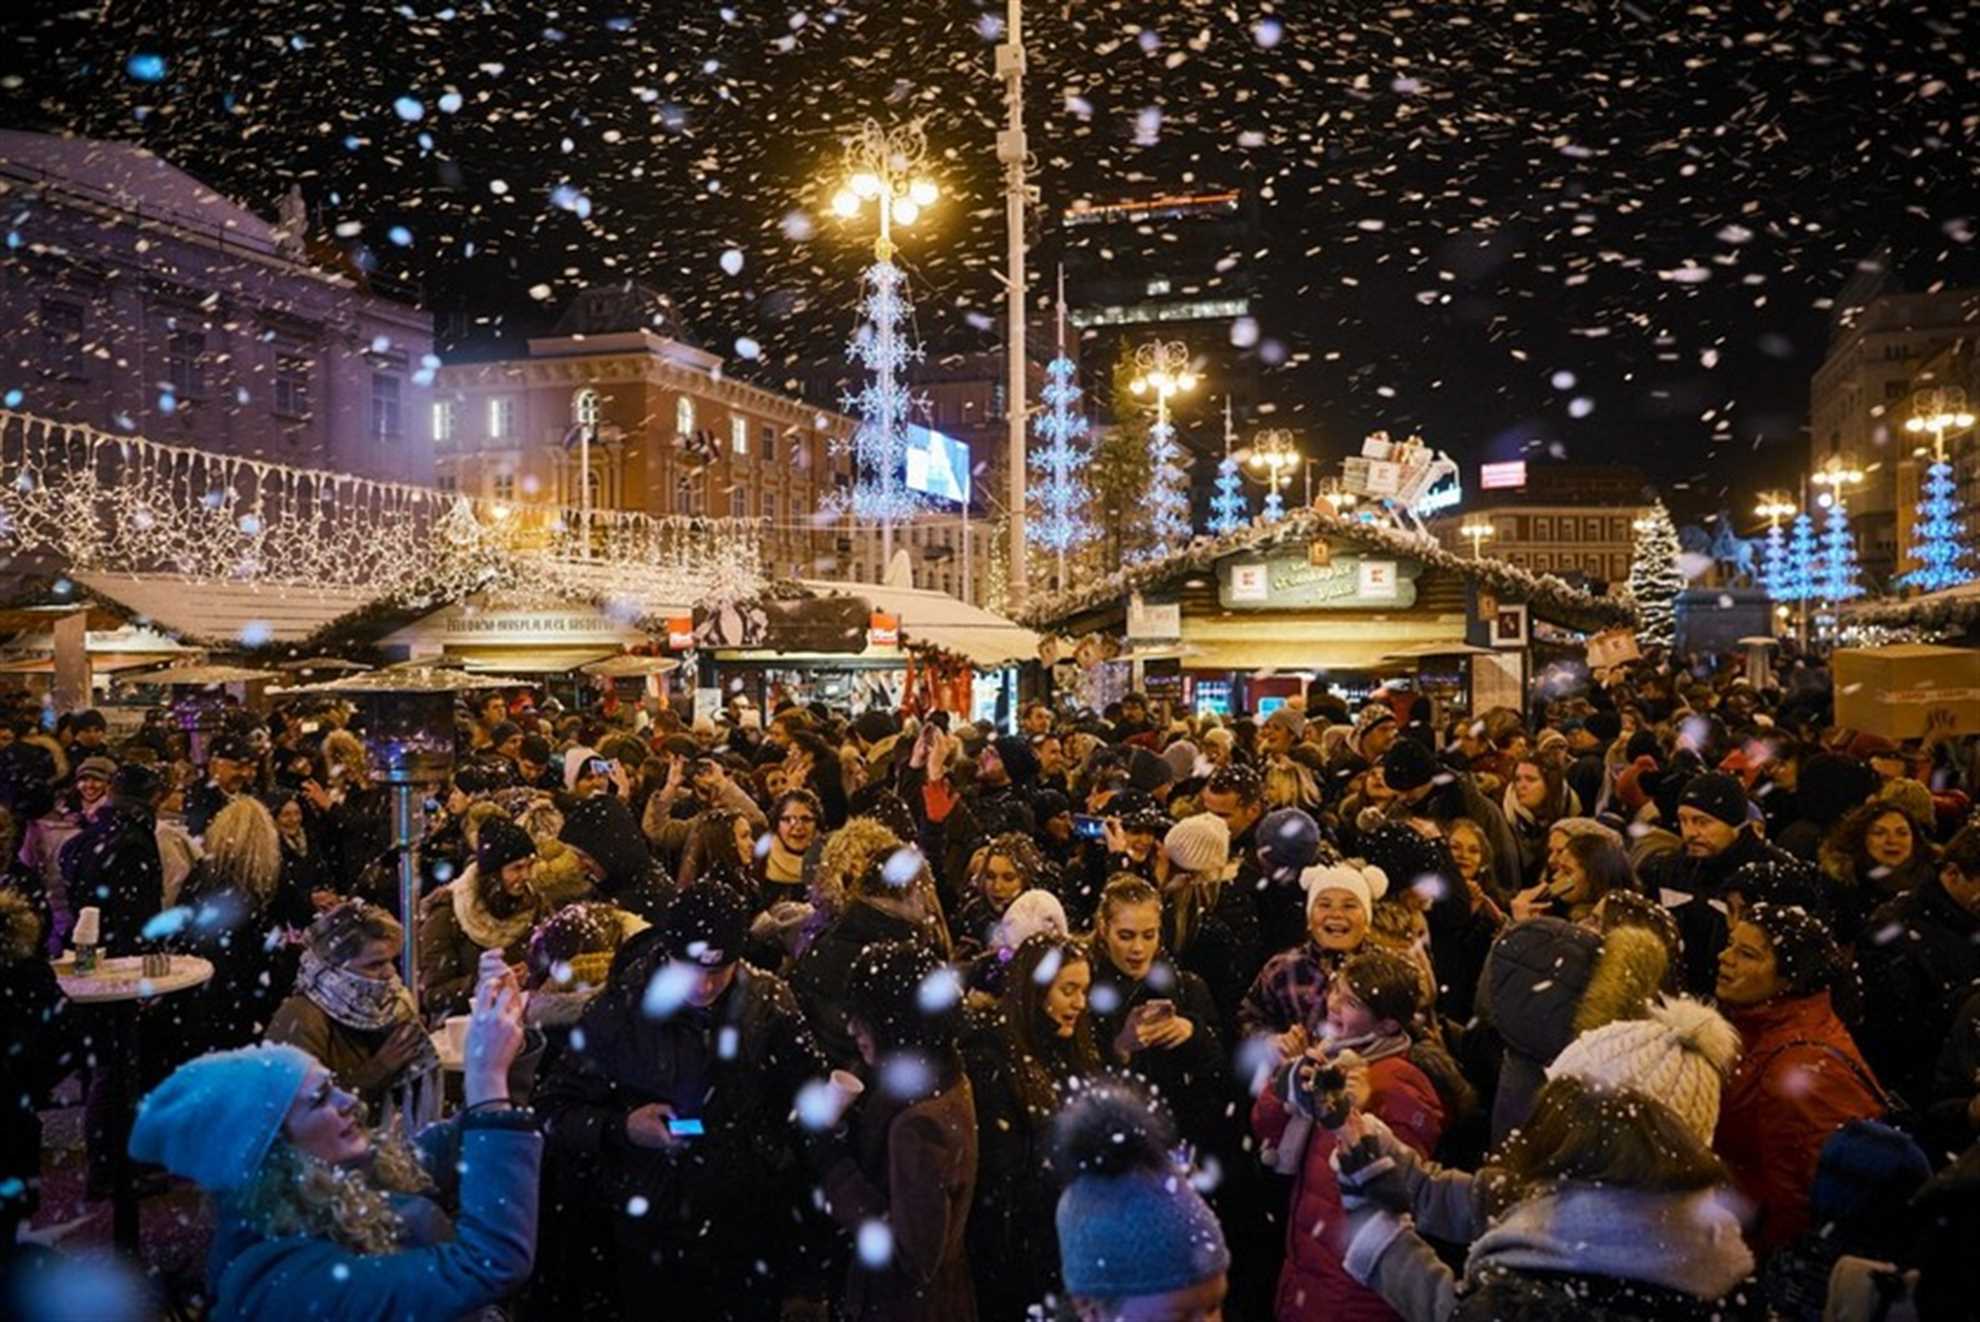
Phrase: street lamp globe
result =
(866, 184)
(905, 211)
(922, 193)
(846, 203)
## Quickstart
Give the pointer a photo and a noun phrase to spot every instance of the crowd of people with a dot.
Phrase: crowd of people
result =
(1659, 999)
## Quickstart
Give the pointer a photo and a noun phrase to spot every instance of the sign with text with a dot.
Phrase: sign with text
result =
(1159, 622)
(883, 630)
(1508, 476)
(1611, 648)
(1345, 582)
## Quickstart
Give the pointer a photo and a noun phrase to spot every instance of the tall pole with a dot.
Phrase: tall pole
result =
(1060, 584)
(1011, 151)
(883, 251)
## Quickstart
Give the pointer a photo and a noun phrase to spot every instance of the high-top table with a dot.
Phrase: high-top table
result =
(119, 985)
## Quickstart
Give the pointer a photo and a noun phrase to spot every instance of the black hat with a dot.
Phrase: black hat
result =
(707, 925)
(1408, 765)
(875, 725)
(603, 828)
(1718, 795)
(499, 844)
(1604, 725)
(1047, 804)
(137, 782)
(535, 748)
(503, 732)
(1147, 772)
(231, 747)
(1643, 744)
(1018, 759)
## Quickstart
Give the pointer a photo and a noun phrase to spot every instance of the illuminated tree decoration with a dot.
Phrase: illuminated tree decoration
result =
(1228, 508)
(879, 445)
(1774, 562)
(1837, 576)
(1058, 519)
(1941, 531)
(1654, 577)
(1798, 567)
(1168, 489)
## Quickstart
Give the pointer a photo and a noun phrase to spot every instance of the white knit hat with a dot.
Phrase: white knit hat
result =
(1201, 843)
(1680, 1055)
(1035, 911)
(1367, 884)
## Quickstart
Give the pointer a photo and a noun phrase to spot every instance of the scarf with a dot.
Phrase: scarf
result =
(1289, 1153)
(782, 866)
(1687, 1241)
(479, 921)
(371, 1004)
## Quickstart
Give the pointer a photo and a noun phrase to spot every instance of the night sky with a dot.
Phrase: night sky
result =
(1607, 232)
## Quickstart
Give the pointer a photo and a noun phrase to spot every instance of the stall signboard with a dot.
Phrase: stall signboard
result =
(1908, 691)
(1344, 582)
(883, 630)
(680, 633)
(817, 624)
(1611, 648)
(470, 625)
(1153, 622)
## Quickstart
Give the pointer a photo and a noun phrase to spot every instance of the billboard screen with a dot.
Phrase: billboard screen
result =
(1510, 475)
(937, 465)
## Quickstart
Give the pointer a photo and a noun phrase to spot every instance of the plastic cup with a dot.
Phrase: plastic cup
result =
(456, 1029)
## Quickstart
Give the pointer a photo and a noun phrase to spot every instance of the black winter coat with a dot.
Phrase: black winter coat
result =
(1700, 881)
(1192, 1078)
(36, 1040)
(1920, 959)
(254, 968)
(822, 978)
(114, 865)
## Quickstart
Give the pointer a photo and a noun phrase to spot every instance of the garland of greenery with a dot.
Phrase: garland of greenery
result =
(1547, 595)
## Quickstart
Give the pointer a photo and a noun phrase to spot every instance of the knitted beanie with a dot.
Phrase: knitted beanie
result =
(1198, 844)
(1408, 765)
(1288, 842)
(1181, 757)
(500, 843)
(213, 1120)
(1292, 722)
(1130, 1222)
(1366, 884)
(1716, 794)
(1867, 1171)
(1147, 772)
(1679, 1055)
(1035, 911)
(1806, 956)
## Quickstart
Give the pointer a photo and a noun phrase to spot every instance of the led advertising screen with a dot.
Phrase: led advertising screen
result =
(937, 465)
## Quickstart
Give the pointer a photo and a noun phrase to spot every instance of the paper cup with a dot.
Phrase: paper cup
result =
(456, 1028)
(846, 1088)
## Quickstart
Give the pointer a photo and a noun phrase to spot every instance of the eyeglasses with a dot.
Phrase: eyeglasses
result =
(805, 820)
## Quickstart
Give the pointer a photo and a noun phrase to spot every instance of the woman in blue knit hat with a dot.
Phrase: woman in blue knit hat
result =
(321, 1217)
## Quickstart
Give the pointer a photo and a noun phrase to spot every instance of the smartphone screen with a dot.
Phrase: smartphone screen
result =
(598, 766)
(685, 1126)
(1089, 828)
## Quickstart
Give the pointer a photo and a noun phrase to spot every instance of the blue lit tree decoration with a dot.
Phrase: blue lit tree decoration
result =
(1773, 508)
(1798, 569)
(1941, 532)
(1837, 580)
(1058, 522)
(883, 168)
(1162, 366)
(1229, 510)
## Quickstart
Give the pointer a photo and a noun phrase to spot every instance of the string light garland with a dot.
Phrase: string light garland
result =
(125, 504)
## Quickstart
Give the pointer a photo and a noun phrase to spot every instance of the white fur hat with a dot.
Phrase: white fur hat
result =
(1035, 911)
(1367, 884)
(1679, 1055)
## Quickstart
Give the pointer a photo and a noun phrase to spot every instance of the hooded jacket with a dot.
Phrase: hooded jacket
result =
(603, 828)
(455, 926)
(1919, 959)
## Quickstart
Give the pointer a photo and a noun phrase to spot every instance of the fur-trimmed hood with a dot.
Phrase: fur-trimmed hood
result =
(482, 927)
(20, 928)
(560, 878)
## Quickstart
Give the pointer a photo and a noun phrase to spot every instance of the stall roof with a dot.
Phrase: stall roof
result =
(226, 614)
(521, 660)
(936, 618)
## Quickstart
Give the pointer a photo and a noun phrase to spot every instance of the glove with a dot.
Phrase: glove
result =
(1370, 1232)
(1368, 1176)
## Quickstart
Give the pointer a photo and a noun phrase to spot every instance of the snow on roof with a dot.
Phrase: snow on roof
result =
(122, 175)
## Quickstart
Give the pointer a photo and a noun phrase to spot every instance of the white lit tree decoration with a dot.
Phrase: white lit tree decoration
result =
(1058, 519)
(1941, 545)
(1655, 578)
(123, 504)
(884, 168)
(1162, 368)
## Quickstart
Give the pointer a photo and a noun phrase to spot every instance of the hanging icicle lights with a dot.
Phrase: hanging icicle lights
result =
(124, 504)
(1059, 522)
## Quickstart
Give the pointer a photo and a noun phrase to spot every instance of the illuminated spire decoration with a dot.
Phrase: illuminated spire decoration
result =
(1837, 579)
(1229, 510)
(1058, 519)
(1797, 578)
(1941, 533)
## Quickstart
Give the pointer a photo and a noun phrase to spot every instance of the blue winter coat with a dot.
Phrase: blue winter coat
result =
(488, 1257)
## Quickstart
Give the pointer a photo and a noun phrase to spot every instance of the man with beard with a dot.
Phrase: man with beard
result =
(1720, 837)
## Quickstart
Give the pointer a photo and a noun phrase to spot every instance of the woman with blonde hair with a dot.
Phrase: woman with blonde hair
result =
(235, 915)
(1210, 924)
(306, 1193)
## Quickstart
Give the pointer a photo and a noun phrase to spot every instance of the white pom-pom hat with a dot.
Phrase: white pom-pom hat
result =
(1366, 884)
(1679, 1055)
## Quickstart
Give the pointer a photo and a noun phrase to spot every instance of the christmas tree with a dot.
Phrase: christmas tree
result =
(1228, 508)
(1058, 520)
(1168, 490)
(1773, 562)
(1799, 566)
(1654, 577)
(1836, 580)
(879, 445)
(1941, 534)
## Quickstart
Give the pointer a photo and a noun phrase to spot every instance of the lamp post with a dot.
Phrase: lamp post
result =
(1477, 530)
(1941, 411)
(1336, 494)
(1011, 155)
(884, 168)
(1273, 454)
(1162, 368)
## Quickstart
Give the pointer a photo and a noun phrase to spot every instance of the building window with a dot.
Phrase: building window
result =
(292, 384)
(684, 416)
(443, 421)
(385, 425)
(767, 443)
(447, 482)
(185, 367)
(738, 503)
(584, 410)
(800, 452)
(739, 434)
(501, 418)
(687, 495)
(997, 398)
(504, 486)
(62, 338)
(770, 506)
